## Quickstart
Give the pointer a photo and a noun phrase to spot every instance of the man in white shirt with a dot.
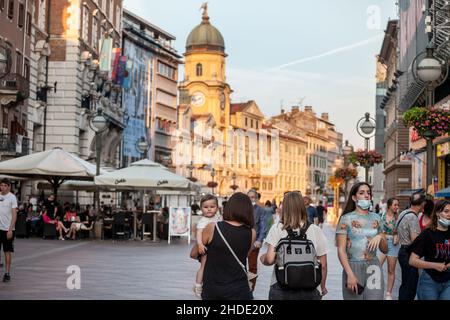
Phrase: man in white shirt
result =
(8, 217)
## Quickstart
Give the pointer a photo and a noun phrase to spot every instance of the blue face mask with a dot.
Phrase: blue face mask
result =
(444, 222)
(364, 204)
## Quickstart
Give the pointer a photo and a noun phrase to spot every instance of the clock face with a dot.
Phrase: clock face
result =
(198, 99)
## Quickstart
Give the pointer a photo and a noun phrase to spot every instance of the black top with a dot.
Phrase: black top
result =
(320, 210)
(50, 206)
(434, 246)
(223, 277)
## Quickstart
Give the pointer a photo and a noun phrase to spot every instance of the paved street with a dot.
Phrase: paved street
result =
(122, 270)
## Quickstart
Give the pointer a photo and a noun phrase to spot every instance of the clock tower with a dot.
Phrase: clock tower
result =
(204, 87)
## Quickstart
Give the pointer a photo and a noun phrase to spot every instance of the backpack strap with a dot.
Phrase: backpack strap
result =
(398, 222)
(304, 230)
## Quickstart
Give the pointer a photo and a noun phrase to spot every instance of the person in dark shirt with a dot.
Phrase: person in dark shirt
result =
(321, 210)
(433, 244)
(312, 212)
(195, 207)
(51, 206)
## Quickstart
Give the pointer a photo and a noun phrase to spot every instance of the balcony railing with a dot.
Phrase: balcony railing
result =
(14, 144)
(16, 84)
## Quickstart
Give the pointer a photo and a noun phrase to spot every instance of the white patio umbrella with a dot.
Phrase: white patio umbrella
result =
(144, 175)
(55, 166)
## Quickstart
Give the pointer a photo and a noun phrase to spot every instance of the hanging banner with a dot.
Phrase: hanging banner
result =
(105, 54)
(180, 222)
(122, 70)
(115, 63)
(129, 74)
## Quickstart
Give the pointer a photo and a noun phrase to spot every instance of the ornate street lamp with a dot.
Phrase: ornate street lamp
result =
(432, 69)
(212, 184)
(366, 128)
(142, 146)
(98, 124)
(234, 187)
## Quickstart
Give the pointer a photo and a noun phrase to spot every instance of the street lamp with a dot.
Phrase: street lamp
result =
(433, 71)
(142, 145)
(347, 150)
(366, 128)
(213, 174)
(234, 186)
(98, 124)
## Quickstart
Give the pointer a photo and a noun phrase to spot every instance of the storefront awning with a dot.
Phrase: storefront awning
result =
(409, 192)
(444, 193)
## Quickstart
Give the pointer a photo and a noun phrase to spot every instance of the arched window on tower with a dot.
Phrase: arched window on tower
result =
(199, 71)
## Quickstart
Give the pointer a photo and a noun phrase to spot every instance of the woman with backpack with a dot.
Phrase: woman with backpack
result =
(283, 236)
(228, 244)
(358, 236)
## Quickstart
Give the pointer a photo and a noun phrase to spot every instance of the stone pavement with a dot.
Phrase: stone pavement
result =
(124, 270)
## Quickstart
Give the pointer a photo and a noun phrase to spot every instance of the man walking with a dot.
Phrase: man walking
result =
(321, 210)
(408, 229)
(260, 218)
(312, 212)
(8, 217)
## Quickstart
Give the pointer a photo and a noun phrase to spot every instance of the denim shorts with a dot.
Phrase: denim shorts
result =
(392, 249)
(428, 289)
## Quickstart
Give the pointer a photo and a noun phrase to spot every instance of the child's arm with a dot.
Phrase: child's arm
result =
(199, 237)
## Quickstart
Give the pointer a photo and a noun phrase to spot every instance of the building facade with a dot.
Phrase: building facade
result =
(15, 50)
(324, 148)
(150, 99)
(396, 138)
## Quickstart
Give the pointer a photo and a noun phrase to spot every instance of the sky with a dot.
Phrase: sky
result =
(282, 53)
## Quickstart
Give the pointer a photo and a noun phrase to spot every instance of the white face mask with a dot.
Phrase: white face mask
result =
(253, 203)
(364, 204)
(444, 222)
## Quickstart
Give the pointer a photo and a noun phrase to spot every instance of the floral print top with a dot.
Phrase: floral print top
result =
(388, 227)
(360, 230)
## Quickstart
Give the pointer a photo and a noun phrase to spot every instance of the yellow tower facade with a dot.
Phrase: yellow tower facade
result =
(205, 79)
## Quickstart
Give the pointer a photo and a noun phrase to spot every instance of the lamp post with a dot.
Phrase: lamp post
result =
(142, 146)
(347, 150)
(98, 124)
(234, 177)
(430, 68)
(213, 174)
(366, 128)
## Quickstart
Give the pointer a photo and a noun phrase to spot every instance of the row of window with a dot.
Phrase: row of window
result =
(300, 151)
(199, 70)
(166, 71)
(317, 162)
(20, 17)
(86, 14)
(251, 123)
(316, 147)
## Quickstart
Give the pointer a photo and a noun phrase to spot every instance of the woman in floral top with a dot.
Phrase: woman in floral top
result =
(358, 236)
(388, 222)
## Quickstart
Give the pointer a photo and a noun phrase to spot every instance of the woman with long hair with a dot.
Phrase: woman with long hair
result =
(358, 236)
(388, 222)
(294, 217)
(433, 245)
(228, 243)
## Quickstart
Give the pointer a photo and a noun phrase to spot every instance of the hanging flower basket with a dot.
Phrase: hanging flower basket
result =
(345, 174)
(212, 184)
(234, 187)
(429, 123)
(193, 179)
(366, 159)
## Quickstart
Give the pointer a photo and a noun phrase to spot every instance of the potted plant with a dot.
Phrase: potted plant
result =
(428, 122)
(345, 174)
(365, 158)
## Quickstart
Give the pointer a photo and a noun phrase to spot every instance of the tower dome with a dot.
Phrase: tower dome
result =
(205, 36)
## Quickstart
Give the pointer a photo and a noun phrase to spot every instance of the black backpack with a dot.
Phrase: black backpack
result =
(296, 265)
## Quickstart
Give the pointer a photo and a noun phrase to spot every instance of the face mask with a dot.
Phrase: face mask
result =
(444, 222)
(253, 203)
(364, 204)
